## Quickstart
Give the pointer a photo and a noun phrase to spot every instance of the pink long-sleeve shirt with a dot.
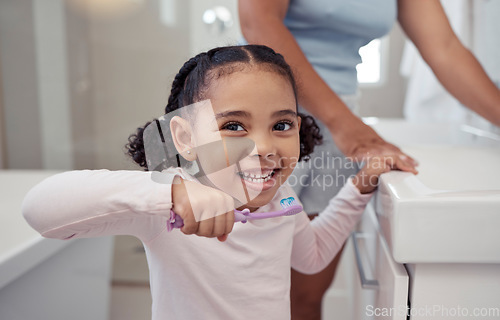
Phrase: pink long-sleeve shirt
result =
(191, 277)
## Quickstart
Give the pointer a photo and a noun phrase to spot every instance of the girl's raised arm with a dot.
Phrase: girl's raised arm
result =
(92, 203)
(317, 242)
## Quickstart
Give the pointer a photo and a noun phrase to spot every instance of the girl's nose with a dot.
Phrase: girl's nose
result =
(264, 147)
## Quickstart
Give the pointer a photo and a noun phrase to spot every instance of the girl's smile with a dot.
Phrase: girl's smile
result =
(260, 180)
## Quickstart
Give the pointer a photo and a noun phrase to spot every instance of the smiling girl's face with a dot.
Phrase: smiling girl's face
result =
(257, 104)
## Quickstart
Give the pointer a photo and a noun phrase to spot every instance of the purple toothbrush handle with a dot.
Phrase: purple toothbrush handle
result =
(175, 220)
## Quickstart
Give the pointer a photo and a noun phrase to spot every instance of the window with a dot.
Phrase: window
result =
(371, 70)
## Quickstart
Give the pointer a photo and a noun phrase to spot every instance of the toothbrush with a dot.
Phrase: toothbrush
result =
(289, 208)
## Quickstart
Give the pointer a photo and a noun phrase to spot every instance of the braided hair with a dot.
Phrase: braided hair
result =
(196, 75)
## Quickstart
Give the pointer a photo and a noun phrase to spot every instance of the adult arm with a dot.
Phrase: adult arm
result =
(262, 23)
(453, 64)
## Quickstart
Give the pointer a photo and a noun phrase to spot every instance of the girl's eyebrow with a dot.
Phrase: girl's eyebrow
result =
(286, 112)
(237, 113)
(245, 114)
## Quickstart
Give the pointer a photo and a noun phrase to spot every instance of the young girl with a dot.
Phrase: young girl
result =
(245, 275)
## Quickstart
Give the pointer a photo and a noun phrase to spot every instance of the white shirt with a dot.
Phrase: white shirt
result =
(246, 277)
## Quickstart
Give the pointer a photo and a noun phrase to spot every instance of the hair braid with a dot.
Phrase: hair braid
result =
(175, 100)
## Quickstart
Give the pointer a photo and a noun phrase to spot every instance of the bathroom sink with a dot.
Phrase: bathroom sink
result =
(450, 211)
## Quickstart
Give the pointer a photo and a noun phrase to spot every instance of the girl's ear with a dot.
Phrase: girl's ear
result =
(183, 138)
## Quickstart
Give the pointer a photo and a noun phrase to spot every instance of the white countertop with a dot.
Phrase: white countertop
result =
(450, 211)
(21, 247)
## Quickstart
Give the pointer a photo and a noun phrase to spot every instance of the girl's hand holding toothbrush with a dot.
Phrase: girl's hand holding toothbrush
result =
(190, 201)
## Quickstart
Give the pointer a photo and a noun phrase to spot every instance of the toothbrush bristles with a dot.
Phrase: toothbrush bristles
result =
(294, 209)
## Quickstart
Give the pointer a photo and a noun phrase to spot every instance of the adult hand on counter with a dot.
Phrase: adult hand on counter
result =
(360, 142)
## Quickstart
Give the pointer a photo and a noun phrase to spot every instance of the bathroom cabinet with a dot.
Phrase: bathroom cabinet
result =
(427, 246)
(375, 286)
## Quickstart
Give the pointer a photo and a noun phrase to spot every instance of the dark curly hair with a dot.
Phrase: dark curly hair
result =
(193, 80)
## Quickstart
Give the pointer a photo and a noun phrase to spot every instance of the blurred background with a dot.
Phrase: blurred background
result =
(77, 77)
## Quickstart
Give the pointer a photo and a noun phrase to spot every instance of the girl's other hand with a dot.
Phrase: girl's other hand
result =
(206, 211)
(367, 178)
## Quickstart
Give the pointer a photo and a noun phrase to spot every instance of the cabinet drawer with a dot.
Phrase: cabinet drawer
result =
(378, 272)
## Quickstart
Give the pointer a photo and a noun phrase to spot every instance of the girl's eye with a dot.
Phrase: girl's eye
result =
(232, 126)
(283, 126)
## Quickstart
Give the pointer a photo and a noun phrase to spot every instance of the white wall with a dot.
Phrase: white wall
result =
(486, 28)
(35, 103)
(19, 85)
(2, 125)
(77, 79)
(54, 105)
(133, 59)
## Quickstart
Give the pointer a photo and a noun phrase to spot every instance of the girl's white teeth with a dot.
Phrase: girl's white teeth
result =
(257, 177)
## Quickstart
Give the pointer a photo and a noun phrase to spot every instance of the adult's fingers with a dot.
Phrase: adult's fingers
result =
(381, 149)
(404, 164)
